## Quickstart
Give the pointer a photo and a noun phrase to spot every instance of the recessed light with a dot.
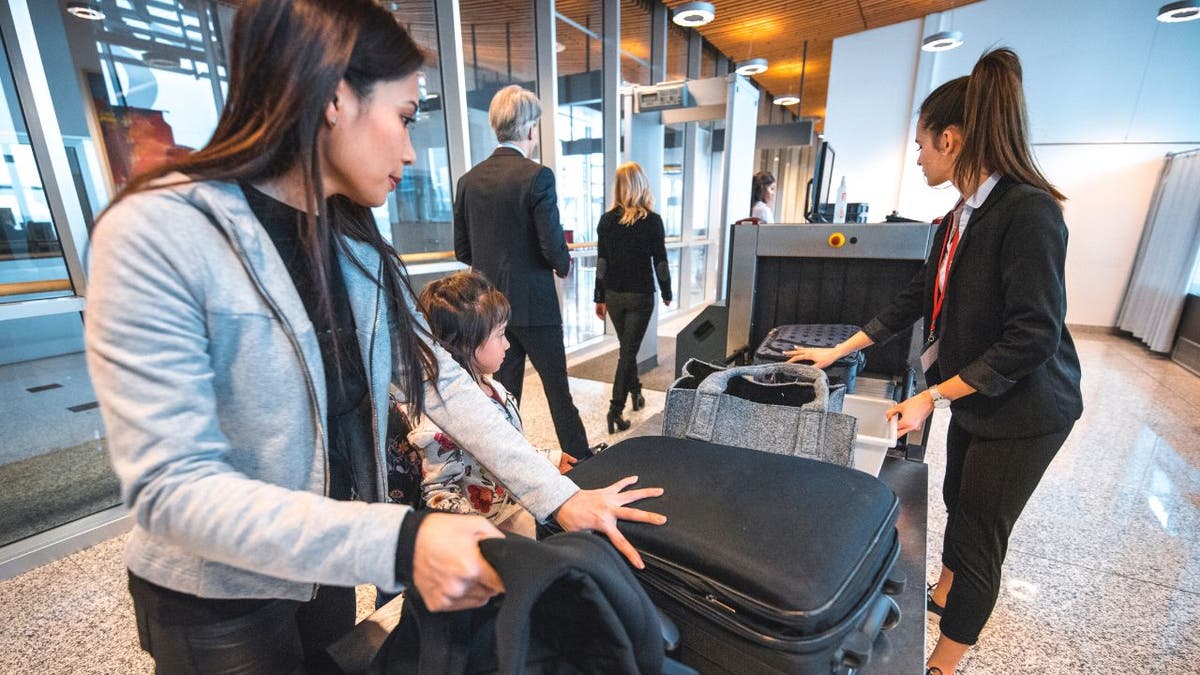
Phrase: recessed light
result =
(943, 41)
(786, 99)
(752, 67)
(84, 10)
(1177, 12)
(692, 14)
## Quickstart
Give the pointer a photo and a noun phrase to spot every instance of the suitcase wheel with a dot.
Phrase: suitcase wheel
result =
(893, 617)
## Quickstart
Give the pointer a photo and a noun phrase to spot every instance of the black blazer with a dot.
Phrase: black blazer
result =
(506, 226)
(1002, 324)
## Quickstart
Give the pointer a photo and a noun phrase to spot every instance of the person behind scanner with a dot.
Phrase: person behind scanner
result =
(993, 297)
(245, 321)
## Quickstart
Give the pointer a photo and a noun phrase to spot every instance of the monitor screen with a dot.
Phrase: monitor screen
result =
(822, 181)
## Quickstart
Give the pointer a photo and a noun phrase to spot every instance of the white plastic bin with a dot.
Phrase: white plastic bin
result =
(876, 433)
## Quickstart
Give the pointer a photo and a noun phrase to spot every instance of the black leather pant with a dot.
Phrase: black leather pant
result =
(188, 634)
(630, 314)
(988, 482)
(544, 346)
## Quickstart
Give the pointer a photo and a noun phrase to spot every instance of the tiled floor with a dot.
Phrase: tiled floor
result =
(1103, 572)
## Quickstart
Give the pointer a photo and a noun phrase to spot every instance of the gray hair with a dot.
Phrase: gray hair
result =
(513, 113)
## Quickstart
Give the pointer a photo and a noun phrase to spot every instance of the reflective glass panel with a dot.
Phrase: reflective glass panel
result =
(499, 49)
(579, 123)
(699, 275)
(579, 312)
(671, 208)
(635, 43)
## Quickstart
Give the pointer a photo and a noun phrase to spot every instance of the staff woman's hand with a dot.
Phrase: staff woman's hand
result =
(912, 412)
(821, 357)
(600, 510)
(448, 569)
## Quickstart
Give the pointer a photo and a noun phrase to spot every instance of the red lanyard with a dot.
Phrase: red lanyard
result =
(946, 259)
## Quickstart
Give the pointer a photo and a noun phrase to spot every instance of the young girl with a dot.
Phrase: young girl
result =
(467, 316)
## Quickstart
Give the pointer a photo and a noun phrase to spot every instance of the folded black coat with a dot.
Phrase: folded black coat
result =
(571, 606)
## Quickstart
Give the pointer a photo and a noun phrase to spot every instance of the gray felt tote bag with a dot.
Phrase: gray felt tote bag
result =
(785, 408)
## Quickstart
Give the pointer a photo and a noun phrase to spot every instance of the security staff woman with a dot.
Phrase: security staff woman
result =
(993, 298)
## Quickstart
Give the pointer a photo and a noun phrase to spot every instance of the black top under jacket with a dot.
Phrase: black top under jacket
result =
(1002, 327)
(628, 255)
(506, 226)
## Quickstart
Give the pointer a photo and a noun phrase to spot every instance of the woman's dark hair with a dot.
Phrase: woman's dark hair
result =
(463, 309)
(989, 107)
(288, 57)
(762, 181)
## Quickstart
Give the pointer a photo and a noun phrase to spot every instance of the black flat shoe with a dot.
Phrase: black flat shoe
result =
(638, 400)
(931, 606)
(617, 423)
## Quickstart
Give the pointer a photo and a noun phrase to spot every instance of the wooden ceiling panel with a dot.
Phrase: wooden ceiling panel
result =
(777, 29)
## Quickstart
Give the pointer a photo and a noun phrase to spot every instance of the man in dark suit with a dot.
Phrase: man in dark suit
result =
(506, 226)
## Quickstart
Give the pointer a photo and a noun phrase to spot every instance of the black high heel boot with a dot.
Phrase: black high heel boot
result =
(638, 400)
(616, 422)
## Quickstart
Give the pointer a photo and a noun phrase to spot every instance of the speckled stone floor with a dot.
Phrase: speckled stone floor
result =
(1103, 572)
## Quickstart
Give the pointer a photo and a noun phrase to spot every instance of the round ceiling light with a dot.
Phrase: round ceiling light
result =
(84, 10)
(1176, 12)
(752, 67)
(786, 99)
(942, 42)
(692, 14)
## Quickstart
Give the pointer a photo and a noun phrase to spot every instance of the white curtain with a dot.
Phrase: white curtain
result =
(1166, 255)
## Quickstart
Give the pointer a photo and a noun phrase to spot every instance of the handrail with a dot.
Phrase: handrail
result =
(27, 287)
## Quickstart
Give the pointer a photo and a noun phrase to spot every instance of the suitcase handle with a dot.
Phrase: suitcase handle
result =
(856, 649)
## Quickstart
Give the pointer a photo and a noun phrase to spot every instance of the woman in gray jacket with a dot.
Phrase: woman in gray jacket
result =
(245, 322)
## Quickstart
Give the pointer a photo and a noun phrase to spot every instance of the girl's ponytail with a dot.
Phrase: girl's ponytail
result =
(996, 125)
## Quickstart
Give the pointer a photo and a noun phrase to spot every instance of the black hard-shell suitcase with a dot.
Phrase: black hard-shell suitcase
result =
(767, 563)
(783, 338)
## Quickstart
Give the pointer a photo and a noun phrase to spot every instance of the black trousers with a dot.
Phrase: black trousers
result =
(188, 634)
(630, 314)
(544, 347)
(988, 482)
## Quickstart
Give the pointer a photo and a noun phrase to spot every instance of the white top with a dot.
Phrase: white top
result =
(514, 146)
(762, 212)
(973, 202)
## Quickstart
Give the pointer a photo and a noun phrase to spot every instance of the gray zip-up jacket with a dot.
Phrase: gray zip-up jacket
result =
(212, 390)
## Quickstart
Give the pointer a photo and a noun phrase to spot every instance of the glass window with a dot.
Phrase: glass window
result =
(54, 465)
(579, 312)
(671, 190)
(635, 42)
(708, 61)
(677, 53)
(579, 123)
(418, 217)
(699, 275)
(499, 49)
(673, 258)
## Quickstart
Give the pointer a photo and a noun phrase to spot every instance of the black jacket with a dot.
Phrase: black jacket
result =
(1002, 325)
(506, 226)
(627, 255)
(571, 605)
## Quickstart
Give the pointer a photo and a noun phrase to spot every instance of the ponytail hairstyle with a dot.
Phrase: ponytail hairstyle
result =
(758, 192)
(287, 59)
(989, 107)
(631, 193)
(463, 309)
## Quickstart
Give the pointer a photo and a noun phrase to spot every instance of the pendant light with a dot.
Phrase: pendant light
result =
(692, 14)
(793, 99)
(1177, 12)
(942, 41)
(752, 67)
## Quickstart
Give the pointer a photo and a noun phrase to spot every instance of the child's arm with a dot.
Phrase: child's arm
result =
(441, 459)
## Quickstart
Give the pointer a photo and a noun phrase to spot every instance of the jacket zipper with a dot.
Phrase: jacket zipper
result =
(291, 334)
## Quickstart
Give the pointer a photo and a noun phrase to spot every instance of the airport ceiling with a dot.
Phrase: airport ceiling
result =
(777, 29)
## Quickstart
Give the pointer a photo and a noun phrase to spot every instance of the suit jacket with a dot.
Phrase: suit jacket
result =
(1002, 324)
(506, 226)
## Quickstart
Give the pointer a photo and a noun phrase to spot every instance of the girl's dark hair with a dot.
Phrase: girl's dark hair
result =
(989, 107)
(288, 57)
(762, 181)
(463, 309)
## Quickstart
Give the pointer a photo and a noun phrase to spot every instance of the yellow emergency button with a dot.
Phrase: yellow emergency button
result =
(837, 240)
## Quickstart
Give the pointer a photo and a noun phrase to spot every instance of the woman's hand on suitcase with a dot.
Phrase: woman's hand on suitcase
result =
(448, 569)
(821, 357)
(912, 412)
(600, 510)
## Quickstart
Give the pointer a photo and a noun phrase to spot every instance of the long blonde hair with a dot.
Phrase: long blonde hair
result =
(631, 193)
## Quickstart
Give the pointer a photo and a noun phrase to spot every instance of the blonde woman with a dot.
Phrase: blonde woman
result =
(631, 246)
